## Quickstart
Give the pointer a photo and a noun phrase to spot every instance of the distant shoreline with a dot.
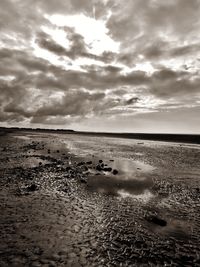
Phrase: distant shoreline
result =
(178, 138)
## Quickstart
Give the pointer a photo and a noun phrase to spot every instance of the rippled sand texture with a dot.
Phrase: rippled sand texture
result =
(72, 200)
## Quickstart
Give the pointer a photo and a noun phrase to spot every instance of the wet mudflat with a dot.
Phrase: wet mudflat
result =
(72, 200)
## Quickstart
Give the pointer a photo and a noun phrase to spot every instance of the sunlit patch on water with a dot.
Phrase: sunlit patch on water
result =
(146, 196)
(120, 186)
(178, 229)
(131, 169)
(139, 154)
(132, 180)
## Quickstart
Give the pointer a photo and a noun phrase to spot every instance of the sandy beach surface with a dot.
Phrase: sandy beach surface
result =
(77, 200)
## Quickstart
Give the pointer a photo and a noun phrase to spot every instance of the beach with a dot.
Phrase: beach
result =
(81, 200)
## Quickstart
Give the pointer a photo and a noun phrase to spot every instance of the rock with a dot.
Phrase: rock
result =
(89, 162)
(40, 163)
(98, 168)
(81, 163)
(83, 181)
(115, 172)
(32, 188)
(85, 168)
(100, 161)
(156, 220)
(58, 151)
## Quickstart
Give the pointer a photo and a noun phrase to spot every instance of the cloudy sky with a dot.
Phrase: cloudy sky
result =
(107, 65)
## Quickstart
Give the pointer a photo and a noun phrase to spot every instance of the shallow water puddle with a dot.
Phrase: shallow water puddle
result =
(131, 168)
(178, 229)
(132, 180)
(146, 196)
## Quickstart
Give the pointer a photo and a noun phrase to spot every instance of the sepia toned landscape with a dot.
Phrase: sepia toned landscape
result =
(99, 133)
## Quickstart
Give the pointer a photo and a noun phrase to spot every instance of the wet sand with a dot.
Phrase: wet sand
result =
(78, 200)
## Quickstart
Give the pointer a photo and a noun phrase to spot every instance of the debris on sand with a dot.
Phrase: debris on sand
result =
(99, 168)
(32, 188)
(115, 172)
(81, 163)
(83, 181)
(156, 220)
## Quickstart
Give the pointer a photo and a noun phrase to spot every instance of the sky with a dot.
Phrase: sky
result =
(109, 65)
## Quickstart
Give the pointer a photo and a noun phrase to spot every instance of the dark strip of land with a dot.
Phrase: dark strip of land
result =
(180, 138)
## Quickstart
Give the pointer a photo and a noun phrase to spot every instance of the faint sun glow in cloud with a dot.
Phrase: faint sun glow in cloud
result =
(94, 31)
(113, 62)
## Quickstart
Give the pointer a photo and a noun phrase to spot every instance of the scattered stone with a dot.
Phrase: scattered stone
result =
(81, 163)
(156, 220)
(98, 168)
(85, 168)
(83, 181)
(32, 188)
(115, 172)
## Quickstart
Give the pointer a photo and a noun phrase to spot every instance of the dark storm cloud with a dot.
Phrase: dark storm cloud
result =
(46, 42)
(155, 29)
(132, 100)
(163, 83)
(167, 83)
(158, 50)
(29, 14)
(18, 63)
(136, 17)
(73, 103)
(13, 108)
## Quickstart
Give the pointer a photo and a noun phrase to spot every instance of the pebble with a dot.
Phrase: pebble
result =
(115, 172)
